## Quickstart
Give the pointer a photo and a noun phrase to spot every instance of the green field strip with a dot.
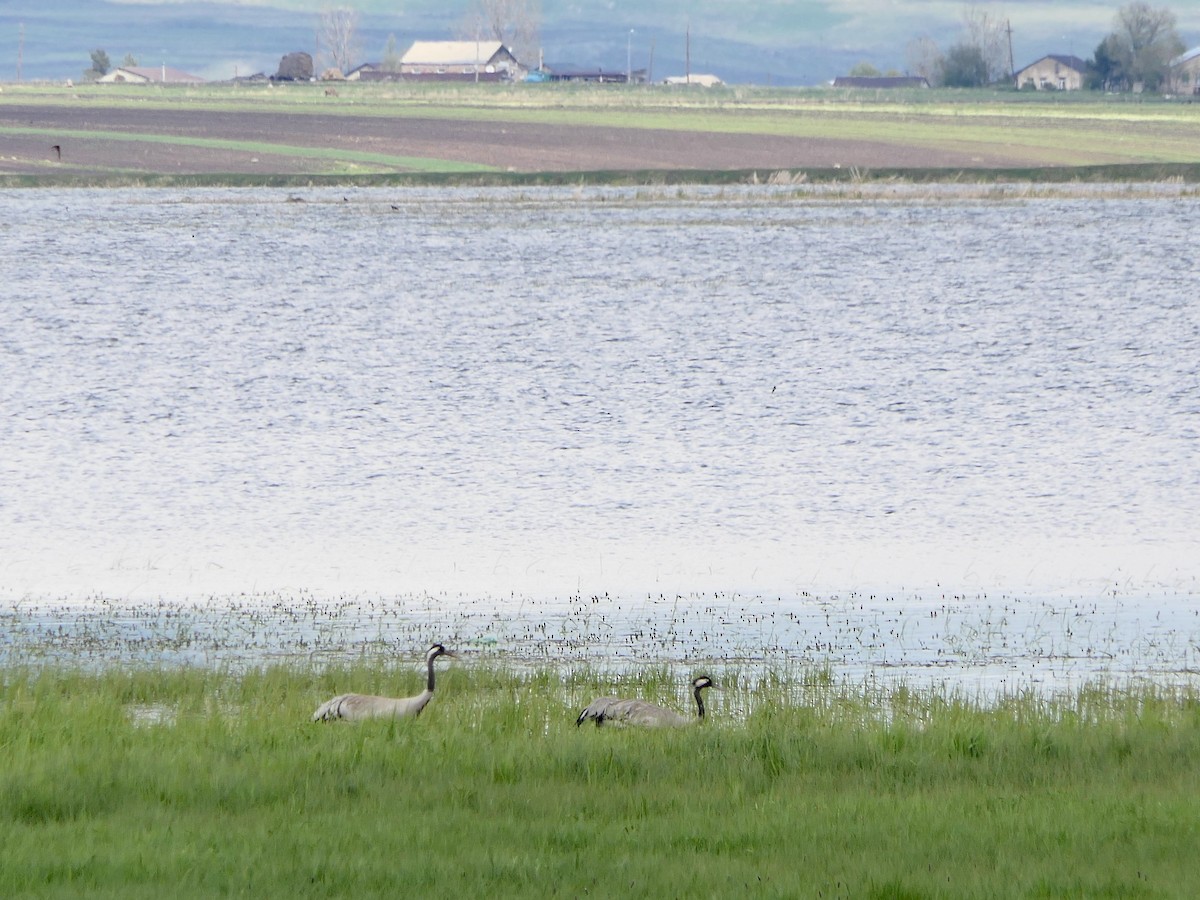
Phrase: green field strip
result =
(1026, 129)
(417, 163)
(499, 102)
(1083, 141)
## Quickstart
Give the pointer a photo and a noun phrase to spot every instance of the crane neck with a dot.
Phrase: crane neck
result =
(699, 702)
(429, 683)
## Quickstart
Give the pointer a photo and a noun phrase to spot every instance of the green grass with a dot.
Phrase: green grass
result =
(138, 783)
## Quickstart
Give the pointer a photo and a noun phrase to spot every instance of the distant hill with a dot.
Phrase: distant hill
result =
(785, 42)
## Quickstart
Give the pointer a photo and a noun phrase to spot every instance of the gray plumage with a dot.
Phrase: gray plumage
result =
(618, 711)
(368, 706)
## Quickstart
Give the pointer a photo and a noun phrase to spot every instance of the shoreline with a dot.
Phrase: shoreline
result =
(1185, 175)
(988, 644)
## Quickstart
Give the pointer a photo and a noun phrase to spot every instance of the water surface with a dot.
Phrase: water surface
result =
(533, 395)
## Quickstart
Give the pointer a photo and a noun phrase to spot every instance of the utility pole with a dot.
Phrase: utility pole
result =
(1012, 72)
(20, 50)
(629, 58)
(687, 53)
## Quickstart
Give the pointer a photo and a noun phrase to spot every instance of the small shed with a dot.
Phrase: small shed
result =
(363, 72)
(374, 72)
(1056, 72)
(701, 80)
(149, 75)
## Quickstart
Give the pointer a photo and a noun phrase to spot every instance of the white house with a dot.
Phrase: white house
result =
(1056, 72)
(1185, 73)
(701, 80)
(461, 61)
(149, 75)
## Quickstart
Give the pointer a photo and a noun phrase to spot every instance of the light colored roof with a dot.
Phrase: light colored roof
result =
(450, 53)
(156, 74)
(702, 80)
(1184, 57)
(1066, 59)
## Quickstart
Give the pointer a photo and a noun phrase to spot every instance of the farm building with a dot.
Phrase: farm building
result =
(880, 81)
(1185, 73)
(593, 74)
(373, 72)
(701, 80)
(363, 72)
(1056, 72)
(149, 75)
(460, 61)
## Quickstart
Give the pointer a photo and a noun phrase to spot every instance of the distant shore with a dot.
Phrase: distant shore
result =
(519, 134)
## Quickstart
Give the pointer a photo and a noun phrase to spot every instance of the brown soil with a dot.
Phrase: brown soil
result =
(504, 145)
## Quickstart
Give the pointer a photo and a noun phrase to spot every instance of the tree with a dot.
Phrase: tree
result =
(100, 66)
(295, 66)
(964, 66)
(923, 58)
(990, 36)
(129, 61)
(1143, 43)
(864, 70)
(391, 55)
(337, 34)
(514, 23)
(1105, 72)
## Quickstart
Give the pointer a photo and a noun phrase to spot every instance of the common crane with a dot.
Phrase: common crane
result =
(367, 706)
(643, 713)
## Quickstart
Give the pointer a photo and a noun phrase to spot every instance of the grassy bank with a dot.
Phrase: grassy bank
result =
(198, 783)
(1126, 175)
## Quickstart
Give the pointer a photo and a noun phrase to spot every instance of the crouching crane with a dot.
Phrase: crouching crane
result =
(367, 706)
(640, 712)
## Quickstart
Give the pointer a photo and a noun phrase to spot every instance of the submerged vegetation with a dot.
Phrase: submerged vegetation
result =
(134, 782)
(170, 748)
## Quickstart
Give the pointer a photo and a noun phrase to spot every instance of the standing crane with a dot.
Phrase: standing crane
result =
(643, 713)
(367, 706)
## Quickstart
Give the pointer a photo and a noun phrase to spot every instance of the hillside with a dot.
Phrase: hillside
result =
(783, 42)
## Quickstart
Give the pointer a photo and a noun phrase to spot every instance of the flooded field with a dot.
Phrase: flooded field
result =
(984, 645)
(888, 430)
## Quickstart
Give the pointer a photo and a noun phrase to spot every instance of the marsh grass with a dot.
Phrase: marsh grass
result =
(1132, 180)
(140, 782)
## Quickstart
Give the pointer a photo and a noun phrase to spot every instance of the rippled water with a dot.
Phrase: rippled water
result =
(545, 393)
